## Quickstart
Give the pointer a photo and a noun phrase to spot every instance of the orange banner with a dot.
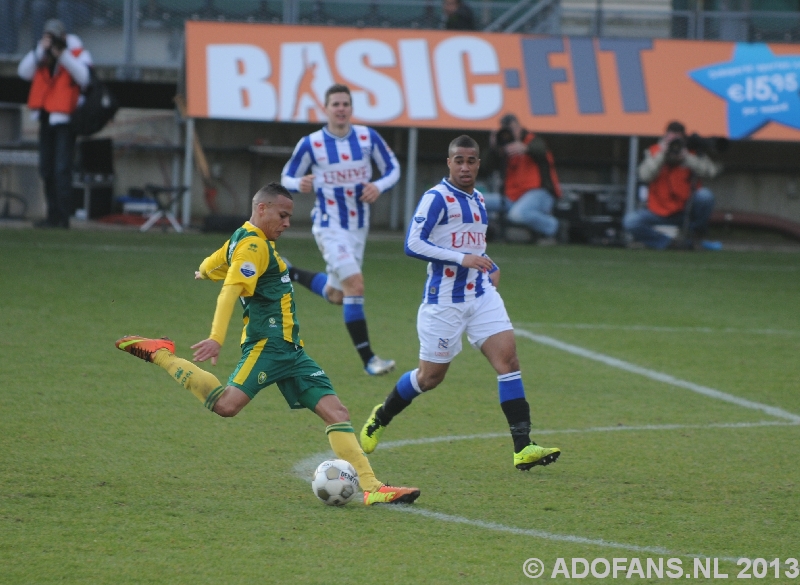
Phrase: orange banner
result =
(465, 81)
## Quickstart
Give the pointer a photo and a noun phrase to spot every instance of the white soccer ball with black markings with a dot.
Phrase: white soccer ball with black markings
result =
(335, 482)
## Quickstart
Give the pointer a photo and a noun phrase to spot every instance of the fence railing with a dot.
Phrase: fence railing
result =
(131, 34)
(682, 24)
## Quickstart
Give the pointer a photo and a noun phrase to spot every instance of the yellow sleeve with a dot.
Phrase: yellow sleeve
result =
(215, 267)
(226, 300)
(249, 261)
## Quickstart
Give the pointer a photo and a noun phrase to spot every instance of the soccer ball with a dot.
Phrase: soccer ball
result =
(335, 482)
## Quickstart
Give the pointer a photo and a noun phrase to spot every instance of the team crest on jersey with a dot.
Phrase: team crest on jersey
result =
(262, 377)
(272, 322)
(419, 218)
(443, 343)
(253, 247)
(248, 269)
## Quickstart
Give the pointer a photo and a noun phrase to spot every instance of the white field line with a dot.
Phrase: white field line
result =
(658, 376)
(661, 329)
(539, 432)
(543, 534)
(305, 468)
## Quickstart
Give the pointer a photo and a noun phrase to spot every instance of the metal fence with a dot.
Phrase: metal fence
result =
(750, 26)
(139, 33)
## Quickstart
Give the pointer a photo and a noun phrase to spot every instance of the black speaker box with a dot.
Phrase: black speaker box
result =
(100, 201)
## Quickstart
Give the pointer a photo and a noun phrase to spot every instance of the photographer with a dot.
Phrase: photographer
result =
(673, 168)
(530, 183)
(58, 69)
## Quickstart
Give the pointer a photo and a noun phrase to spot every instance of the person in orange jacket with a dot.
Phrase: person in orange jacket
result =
(530, 182)
(58, 69)
(673, 169)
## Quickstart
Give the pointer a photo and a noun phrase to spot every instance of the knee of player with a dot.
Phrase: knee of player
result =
(512, 363)
(429, 381)
(338, 413)
(353, 285)
(226, 410)
(334, 296)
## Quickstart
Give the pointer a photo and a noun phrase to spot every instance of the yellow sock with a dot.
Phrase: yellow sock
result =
(343, 441)
(196, 380)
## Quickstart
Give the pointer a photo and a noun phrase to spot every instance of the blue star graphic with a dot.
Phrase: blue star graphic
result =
(759, 87)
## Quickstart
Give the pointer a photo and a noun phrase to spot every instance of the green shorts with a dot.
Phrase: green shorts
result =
(275, 361)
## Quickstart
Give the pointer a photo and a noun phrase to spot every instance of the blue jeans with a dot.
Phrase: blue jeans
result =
(640, 223)
(56, 153)
(533, 210)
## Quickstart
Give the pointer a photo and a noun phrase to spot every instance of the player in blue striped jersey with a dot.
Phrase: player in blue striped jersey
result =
(460, 296)
(335, 164)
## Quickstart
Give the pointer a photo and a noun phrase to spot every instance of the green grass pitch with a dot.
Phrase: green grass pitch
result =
(112, 473)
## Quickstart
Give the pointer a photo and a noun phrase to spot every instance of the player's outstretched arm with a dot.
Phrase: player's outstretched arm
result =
(214, 267)
(209, 348)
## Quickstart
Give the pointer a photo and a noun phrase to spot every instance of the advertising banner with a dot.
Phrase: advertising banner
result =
(465, 80)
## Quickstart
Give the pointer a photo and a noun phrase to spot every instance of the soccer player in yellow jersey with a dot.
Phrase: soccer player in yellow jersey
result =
(272, 351)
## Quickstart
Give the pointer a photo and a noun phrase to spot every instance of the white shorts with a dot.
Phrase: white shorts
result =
(440, 327)
(342, 250)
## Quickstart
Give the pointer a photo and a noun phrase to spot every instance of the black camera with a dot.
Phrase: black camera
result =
(58, 43)
(710, 146)
(674, 153)
(675, 146)
(504, 136)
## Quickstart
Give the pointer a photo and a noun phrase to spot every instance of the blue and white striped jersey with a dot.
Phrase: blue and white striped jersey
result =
(447, 225)
(341, 167)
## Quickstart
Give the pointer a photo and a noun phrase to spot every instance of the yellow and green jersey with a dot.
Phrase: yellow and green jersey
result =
(250, 260)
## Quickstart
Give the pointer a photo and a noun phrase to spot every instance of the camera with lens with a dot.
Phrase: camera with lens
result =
(58, 43)
(674, 153)
(711, 146)
(675, 146)
(504, 136)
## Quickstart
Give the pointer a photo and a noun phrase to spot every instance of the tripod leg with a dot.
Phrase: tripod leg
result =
(151, 221)
(174, 222)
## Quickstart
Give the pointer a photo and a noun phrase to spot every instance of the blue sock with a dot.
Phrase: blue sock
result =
(353, 308)
(356, 323)
(509, 386)
(407, 386)
(516, 408)
(318, 283)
